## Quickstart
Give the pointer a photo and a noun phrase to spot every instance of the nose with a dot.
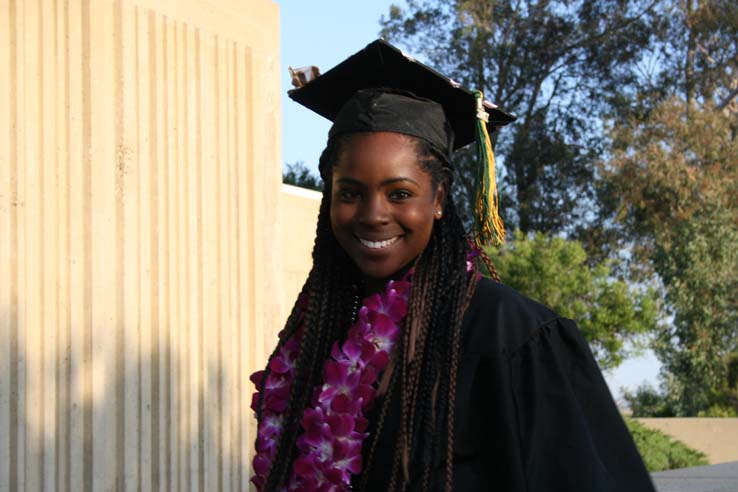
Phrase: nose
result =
(374, 210)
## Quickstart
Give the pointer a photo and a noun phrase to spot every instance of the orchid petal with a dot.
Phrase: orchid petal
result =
(257, 378)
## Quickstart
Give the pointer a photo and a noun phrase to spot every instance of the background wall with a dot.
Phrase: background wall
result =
(139, 257)
(716, 437)
(298, 216)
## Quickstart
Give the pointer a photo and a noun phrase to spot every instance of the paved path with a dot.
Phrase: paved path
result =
(713, 478)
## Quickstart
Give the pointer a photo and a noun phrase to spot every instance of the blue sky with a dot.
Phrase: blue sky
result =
(323, 33)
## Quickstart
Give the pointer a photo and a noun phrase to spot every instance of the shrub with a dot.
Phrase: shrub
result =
(660, 451)
(719, 411)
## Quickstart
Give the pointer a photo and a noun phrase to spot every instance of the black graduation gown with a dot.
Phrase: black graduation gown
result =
(533, 412)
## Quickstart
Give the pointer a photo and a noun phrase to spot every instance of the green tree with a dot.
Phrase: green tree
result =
(700, 270)
(672, 182)
(553, 63)
(669, 196)
(612, 316)
(647, 401)
(298, 174)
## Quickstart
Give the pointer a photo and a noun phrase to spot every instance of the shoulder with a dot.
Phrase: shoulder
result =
(500, 319)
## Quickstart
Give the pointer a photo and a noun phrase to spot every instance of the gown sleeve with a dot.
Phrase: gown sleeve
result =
(570, 435)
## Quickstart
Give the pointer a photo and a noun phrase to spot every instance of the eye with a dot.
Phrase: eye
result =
(348, 195)
(400, 195)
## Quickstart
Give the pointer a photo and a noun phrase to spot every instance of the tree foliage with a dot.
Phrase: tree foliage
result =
(672, 185)
(298, 174)
(647, 401)
(694, 55)
(612, 316)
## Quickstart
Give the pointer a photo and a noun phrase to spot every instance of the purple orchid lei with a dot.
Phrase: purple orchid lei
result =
(334, 426)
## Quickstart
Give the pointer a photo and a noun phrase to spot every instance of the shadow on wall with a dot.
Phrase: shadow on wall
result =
(162, 415)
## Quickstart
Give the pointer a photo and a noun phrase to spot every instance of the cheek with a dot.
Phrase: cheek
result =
(420, 220)
(340, 214)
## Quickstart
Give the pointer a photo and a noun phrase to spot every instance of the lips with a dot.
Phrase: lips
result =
(377, 245)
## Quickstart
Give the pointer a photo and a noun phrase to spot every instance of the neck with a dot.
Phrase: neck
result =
(372, 285)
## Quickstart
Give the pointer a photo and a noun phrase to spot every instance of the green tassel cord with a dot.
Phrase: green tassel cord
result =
(488, 226)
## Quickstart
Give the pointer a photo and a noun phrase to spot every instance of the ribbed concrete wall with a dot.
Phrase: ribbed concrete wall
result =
(298, 215)
(139, 280)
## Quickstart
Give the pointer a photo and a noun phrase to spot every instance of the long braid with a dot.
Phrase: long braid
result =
(420, 365)
(490, 266)
(414, 355)
(380, 424)
(452, 383)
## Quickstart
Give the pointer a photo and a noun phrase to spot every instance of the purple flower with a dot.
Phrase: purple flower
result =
(257, 378)
(474, 252)
(391, 305)
(347, 457)
(261, 464)
(350, 352)
(345, 404)
(286, 359)
(384, 332)
(278, 385)
(271, 425)
(340, 380)
(341, 424)
(258, 481)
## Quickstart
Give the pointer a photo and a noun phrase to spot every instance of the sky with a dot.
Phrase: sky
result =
(325, 32)
(320, 33)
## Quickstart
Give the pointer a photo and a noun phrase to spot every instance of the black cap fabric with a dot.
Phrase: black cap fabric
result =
(389, 110)
(382, 89)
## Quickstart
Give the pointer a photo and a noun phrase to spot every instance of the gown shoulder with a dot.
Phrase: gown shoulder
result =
(534, 411)
(501, 320)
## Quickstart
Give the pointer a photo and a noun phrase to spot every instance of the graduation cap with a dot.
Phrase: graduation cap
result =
(381, 88)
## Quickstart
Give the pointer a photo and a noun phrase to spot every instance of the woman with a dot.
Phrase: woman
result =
(400, 368)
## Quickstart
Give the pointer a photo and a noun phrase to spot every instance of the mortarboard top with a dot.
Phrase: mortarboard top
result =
(381, 65)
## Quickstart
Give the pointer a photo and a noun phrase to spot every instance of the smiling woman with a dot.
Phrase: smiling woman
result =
(400, 368)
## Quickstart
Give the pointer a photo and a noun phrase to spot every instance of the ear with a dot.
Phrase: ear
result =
(439, 201)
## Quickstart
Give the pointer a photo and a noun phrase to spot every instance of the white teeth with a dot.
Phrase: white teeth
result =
(379, 244)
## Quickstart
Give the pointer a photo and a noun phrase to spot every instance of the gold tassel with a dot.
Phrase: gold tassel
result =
(488, 227)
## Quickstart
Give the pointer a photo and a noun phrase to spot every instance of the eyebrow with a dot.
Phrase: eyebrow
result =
(383, 183)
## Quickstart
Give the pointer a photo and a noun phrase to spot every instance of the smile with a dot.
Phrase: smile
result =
(379, 244)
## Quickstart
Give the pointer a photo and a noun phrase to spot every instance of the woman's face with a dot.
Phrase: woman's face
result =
(383, 202)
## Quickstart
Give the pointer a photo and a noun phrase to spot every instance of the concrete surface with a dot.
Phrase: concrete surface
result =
(711, 478)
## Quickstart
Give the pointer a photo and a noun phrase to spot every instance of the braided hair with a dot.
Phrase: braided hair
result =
(423, 369)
